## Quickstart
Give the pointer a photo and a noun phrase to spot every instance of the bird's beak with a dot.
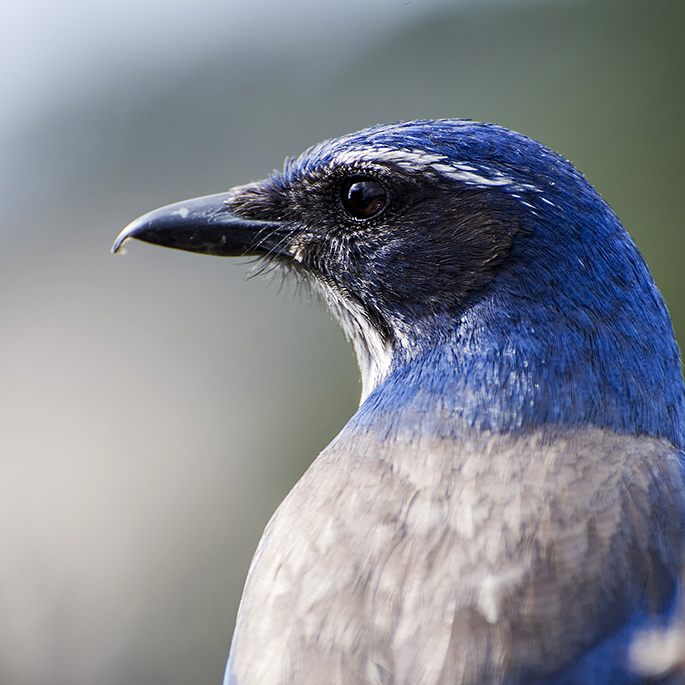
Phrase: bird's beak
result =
(205, 225)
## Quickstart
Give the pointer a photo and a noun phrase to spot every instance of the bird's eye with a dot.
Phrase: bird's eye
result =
(363, 197)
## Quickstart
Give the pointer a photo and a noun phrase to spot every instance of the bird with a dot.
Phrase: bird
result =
(507, 504)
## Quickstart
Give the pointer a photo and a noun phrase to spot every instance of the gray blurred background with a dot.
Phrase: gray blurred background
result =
(156, 407)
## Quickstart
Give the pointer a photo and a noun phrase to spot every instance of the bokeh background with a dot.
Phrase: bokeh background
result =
(156, 407)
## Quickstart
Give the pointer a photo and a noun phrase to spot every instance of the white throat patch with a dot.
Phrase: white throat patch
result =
(374, 355)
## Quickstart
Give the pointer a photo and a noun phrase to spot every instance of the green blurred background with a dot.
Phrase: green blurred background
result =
(156, 407)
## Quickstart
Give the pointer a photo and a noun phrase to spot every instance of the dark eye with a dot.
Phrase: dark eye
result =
(363, 197)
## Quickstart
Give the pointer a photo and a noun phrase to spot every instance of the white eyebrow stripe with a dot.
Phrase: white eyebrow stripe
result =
(445, 168)
(418, 160)
(415, 159)
(470, 178)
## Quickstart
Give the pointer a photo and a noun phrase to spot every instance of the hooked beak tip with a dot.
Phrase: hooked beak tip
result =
(135, 227)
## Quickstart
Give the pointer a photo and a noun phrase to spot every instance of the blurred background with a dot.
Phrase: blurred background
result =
(156, 407)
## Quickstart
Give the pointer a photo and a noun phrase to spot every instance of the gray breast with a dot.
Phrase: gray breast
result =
(434, 562)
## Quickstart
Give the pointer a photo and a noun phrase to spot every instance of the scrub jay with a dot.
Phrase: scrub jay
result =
(506, 506)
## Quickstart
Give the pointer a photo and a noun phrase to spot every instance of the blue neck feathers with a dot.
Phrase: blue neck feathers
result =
(572, 334)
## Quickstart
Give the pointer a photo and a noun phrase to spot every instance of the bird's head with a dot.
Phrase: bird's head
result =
(469, 245)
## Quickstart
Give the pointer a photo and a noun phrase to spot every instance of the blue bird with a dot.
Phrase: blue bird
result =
(507, 505)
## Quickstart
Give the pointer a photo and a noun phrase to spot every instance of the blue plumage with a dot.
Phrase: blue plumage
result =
(574, 295)
(507, 504)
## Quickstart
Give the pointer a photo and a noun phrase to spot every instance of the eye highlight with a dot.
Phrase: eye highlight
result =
(363, 197)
